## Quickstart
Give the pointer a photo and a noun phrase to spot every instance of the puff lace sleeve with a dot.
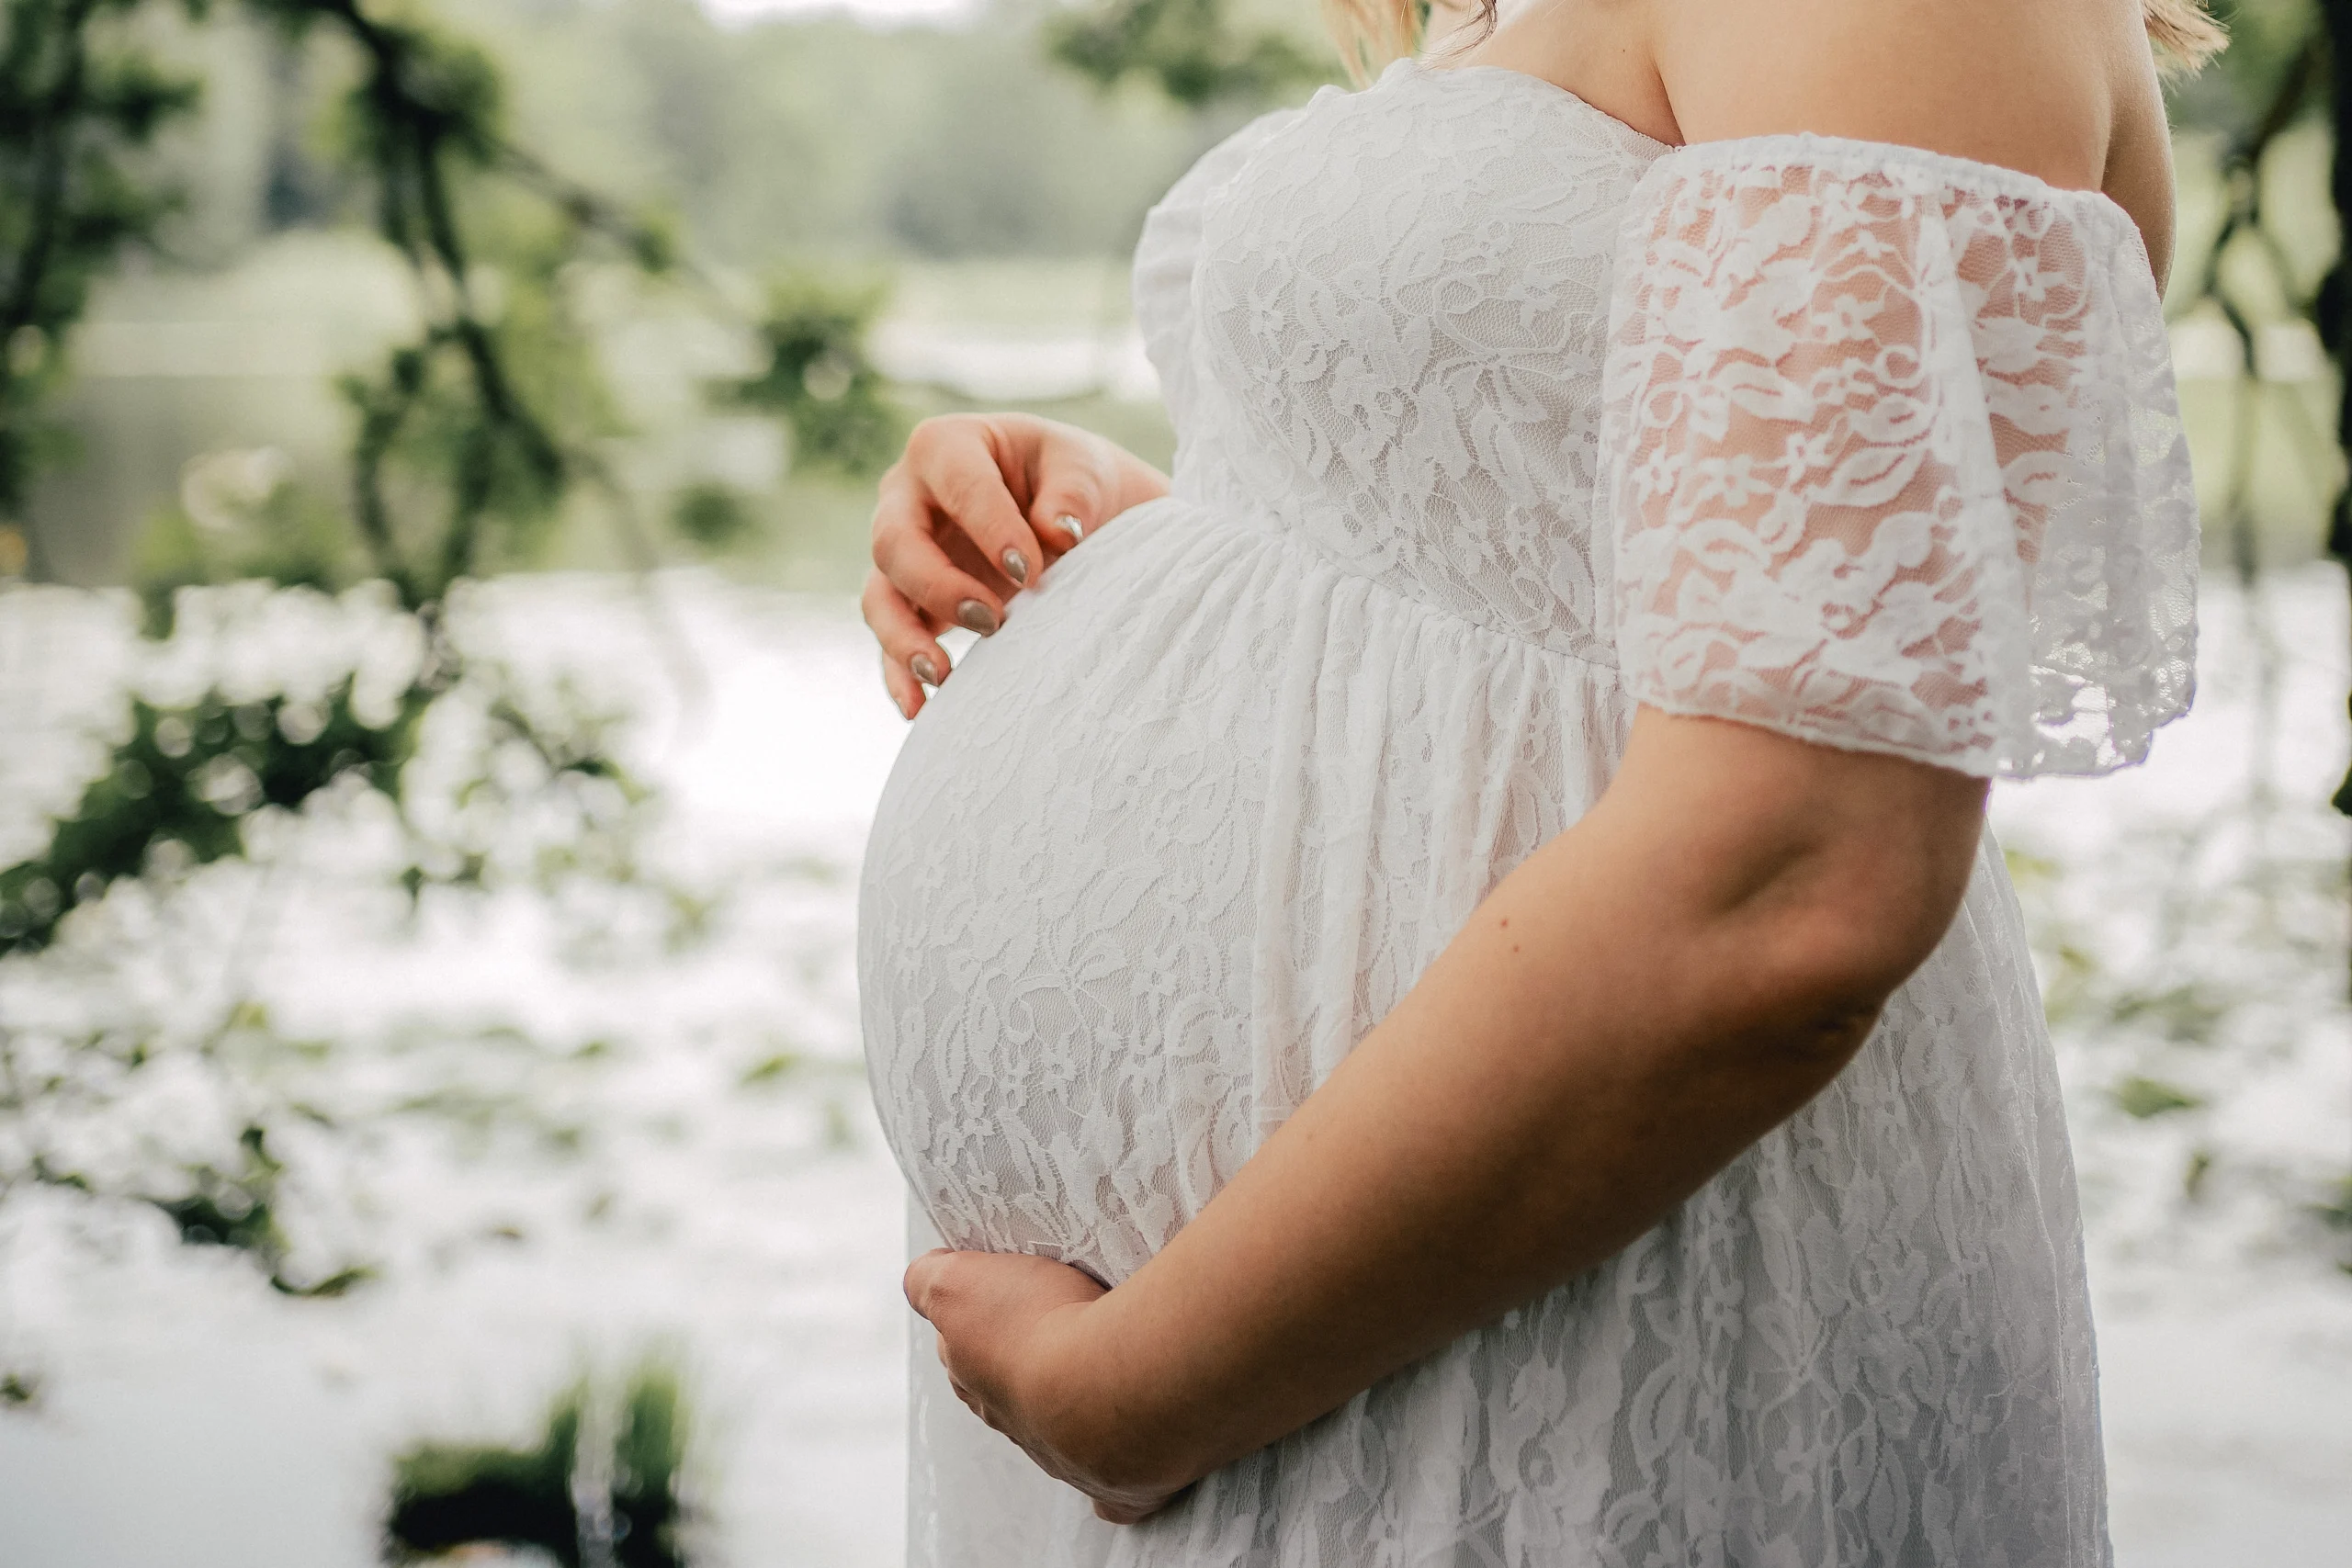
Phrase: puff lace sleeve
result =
(1892, 460)
(1168, 249)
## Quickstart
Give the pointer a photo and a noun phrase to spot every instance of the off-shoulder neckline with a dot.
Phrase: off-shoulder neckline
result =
(1648, 144)
(1969, 174)
(1545, 89)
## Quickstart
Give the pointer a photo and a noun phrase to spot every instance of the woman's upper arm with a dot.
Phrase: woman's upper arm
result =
(1844, 868)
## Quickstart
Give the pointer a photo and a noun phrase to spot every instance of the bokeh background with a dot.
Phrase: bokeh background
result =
(436, 438)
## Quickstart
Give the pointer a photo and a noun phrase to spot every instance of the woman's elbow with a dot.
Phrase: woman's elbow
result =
(1816, 880)
(1844, 950)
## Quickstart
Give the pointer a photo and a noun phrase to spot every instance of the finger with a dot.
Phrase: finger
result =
(957, 467)
(965, 557)
(905, 692)
(923, 575)
(907, 646)
(1075, 491)
(964, 1394)
(922, 1280)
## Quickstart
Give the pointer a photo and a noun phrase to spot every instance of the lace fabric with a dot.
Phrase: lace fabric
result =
(1196, 819)
(1894, 460)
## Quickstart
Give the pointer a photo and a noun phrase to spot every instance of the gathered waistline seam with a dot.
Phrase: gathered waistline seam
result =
(1218, 517)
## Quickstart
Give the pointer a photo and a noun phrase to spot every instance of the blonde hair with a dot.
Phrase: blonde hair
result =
(2185, 37)
(1371, 33)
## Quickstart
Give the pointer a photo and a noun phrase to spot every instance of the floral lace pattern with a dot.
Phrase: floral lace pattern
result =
(1406, 378)
(1203, 810)
(1894, 459)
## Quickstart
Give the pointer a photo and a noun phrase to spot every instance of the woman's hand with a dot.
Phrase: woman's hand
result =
(1012, 1334)
(974, 511)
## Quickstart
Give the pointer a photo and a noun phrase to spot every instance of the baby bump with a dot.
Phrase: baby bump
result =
(1164, 848)
(1056, 915)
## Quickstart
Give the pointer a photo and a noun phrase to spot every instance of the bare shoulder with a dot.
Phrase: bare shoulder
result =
(2023, 83)
(2064, 90)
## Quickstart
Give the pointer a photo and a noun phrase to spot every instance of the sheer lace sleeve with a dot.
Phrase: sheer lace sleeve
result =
(1894, 461)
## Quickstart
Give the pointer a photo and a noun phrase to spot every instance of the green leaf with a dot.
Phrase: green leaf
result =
(2146, 1097)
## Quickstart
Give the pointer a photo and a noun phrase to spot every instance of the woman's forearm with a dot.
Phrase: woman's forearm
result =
(1635, 1005)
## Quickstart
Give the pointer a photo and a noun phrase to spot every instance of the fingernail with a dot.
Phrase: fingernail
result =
(1071, 525)
(925, 671)
(1017, 566)
(900, 704)
(975, 617)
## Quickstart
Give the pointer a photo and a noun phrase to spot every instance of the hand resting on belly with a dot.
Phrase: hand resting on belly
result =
(977, 509)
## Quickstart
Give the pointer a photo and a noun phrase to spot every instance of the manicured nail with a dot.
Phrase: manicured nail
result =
(1071, 525)
(975, 617)
(1017, 566)
(925, 671)
(902, 705)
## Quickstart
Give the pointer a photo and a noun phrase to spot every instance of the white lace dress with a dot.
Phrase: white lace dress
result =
(1499, 419)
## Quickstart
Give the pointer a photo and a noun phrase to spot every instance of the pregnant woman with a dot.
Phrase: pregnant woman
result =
(1439, 979)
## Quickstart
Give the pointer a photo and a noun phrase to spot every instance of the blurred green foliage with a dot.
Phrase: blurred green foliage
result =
(236, 1208)
(180, 787)
(817, 378)
(242, 517)
(1195, 50)
(822, 137)
(483, 420)
(713, 516)
(450, 1495)
(2144, 1096)
(649, 1459)
(79, 100)
(2289, 62)
(698, 156)
(476, 427)
(2232, 93)
(467, 439)
(566, 1496)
